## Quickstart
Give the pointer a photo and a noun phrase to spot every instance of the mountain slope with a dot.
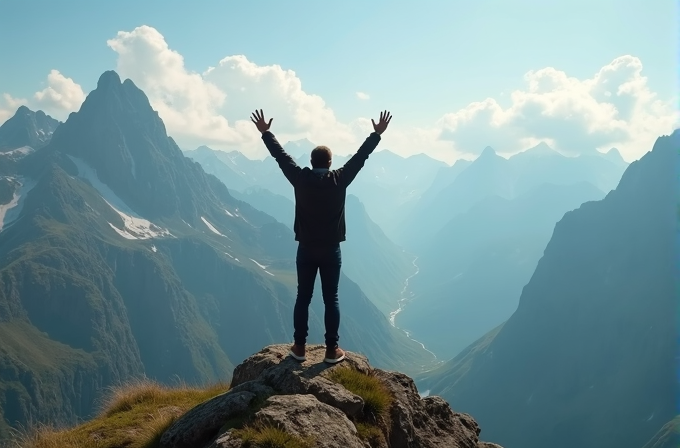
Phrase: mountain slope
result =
(597, 318)
(471, 278)
(378, 265)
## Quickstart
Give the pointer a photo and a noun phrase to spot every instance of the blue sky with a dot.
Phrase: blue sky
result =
(426, 61)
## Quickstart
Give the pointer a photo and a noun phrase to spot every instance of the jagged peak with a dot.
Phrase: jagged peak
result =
(488, 151)
(615, 155)
(108, 78)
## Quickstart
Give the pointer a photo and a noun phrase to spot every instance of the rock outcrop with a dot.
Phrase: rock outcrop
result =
(270, 389)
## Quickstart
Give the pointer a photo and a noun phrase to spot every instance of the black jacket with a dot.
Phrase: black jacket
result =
(320, 197)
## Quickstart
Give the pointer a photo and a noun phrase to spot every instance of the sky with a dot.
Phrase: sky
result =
(457, 75)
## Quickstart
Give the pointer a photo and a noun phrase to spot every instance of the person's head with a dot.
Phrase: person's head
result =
(321, 157)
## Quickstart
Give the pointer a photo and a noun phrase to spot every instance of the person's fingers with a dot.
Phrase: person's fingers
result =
(270, 121)
(373, 122)
(261, 114)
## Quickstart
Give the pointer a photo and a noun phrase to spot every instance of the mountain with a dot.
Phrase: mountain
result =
(212, 163)
(121, 258)
(613, 155)
(493, 175)
(235, 170)
(276, 205)
(589, 358)
(299, 148)
(471, 277)
(26, 129)
(487, 175)
(667, 437)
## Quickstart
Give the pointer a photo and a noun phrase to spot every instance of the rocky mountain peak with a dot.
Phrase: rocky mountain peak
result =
(309, 400)
(108, 79)
(27, 129)
(488, 152)
(117, 133)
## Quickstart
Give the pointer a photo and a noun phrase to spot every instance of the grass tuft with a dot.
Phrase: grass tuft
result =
(377, 398)
(133, 416)
(150, 435)
(265, 436)
(371, 433)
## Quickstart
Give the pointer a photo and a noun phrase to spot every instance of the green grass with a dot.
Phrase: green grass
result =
(263, 436)
(370, 433)
(376, 396)
(133, 416)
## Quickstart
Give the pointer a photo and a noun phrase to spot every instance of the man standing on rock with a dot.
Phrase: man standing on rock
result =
(319, 228)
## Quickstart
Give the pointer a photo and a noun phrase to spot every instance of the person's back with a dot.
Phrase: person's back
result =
(319, 227)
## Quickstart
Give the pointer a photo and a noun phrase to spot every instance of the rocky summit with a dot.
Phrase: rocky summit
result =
(350, 404)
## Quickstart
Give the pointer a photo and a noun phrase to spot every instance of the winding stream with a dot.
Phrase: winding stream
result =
(404, 299)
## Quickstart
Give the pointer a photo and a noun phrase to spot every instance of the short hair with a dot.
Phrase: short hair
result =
(321, 155)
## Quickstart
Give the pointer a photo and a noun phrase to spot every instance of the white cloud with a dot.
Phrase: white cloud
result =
(613, 108)
(363, 96)
(214, 107)
(9, 105)
(61, 96)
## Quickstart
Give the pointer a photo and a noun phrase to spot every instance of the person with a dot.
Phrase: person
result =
(319, 228)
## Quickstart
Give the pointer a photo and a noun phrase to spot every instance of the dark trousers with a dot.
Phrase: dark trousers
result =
(327, 260)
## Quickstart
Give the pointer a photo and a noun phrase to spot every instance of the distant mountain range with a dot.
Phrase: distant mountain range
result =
(472, 274)
(493, 175)
(589, 359)
(121, 258)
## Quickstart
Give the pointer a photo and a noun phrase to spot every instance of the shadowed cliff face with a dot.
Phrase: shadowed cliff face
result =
(27, 128)
(588, 358)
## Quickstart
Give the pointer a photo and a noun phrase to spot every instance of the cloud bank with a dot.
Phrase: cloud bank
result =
(615, 107)
(61, 96)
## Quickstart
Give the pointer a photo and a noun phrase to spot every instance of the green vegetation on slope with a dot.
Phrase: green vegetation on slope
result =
(41, 378)
(133, 416)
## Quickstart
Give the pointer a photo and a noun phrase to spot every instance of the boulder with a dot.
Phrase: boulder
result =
(272, 389)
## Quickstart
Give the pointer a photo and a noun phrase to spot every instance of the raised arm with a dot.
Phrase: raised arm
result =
(349, 171)
(286, 163)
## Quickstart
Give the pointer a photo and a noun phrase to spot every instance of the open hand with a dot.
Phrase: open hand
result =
(385, 118)
(258, 119)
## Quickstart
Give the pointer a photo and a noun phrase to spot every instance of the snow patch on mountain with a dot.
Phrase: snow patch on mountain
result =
(212, 228)
(263, 267)
(10, 212)
(23, 151)
(135, 227)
